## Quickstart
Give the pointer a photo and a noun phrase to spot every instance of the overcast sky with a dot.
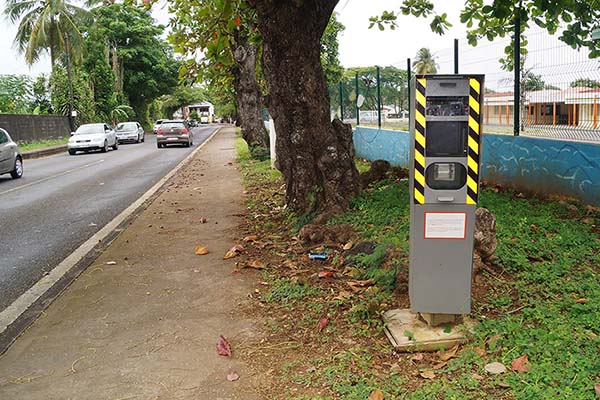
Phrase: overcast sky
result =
(360, 46)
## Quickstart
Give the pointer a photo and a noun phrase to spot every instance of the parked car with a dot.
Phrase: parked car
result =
(11, 161)
(92, 137)
(130, 131)
(156, 125)
(174, 132)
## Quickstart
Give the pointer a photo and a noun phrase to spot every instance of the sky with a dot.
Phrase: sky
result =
(361, 46)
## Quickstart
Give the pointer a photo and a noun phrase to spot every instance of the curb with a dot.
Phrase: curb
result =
(31, 304)
(46, 151)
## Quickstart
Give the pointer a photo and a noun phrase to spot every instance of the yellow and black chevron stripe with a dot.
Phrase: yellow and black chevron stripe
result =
(419, 167)
(474, 140)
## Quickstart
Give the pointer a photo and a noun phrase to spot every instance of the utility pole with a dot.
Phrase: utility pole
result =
(517, 65)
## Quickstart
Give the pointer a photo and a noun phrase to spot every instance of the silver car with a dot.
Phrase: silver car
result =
(92, 137)
(11, 161)
(130, 131)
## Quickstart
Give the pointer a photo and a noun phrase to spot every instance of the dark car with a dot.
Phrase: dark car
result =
(174, 132)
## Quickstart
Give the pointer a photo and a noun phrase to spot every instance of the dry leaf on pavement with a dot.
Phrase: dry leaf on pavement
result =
(201, 250)
(495, 368)
(325, 274)
(520, 364)
(323, 322)
(232, 376)
(223, 347)
(429, 374)
(229, 254)
(376, 395)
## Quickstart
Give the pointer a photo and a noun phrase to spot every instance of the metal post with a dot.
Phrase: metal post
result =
(517, 61)
(341, 102)
(408, 79)
(357, 109)
(456, 56)
(378, 99)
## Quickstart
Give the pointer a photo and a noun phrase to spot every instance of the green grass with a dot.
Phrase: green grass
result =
(40, 144)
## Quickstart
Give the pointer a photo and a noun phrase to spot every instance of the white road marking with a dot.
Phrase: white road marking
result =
(51, 177)
(26, 300)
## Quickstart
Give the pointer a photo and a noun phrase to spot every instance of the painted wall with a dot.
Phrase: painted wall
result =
(528, 164)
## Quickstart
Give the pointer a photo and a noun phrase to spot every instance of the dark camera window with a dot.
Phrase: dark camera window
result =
(447, 106)
(446, 138)
(446, 176)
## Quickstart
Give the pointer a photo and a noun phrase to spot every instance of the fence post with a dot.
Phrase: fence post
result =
(341, 102)
(517, 65)
(356, 103)
(408, 79)
(456, 56)
(378, 98)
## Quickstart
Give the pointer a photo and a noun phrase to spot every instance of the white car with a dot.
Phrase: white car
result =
(92, 137)
(157, 125)
(130, 131)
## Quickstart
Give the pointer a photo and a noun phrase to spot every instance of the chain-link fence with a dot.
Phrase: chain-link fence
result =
(558, 89)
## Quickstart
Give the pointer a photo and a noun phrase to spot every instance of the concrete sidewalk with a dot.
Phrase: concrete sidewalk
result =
(147, 327)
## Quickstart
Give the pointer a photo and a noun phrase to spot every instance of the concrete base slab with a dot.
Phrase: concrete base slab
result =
(407, 332)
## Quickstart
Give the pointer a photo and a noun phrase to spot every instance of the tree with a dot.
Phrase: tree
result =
(41, 96)
(574, 19)
(183, 95)
(46, 25)
(145, 65)
(532, 82)
(585, 82)
(83, 100)
(15, 94)
(226, 33)
(424, 62)
(330, 51)
(315, 155)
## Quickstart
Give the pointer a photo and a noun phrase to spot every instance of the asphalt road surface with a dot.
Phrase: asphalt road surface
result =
(63, 200)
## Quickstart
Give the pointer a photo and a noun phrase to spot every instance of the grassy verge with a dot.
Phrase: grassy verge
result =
(40, 144)
(541, 299)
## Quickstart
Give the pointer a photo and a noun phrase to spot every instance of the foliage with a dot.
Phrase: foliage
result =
(574, 19)
(16, 94)
(46, 26)
(41, 96)
(330, 50)
(40, 144)
(585, 82)
(83, 100)
(424, 62)
(182, 95)
(287, 291)
(533, 82)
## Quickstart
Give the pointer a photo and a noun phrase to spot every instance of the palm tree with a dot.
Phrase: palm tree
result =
(425, 62)
(48, 25)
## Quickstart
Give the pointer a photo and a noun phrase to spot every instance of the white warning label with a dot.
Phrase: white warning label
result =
(443, 225)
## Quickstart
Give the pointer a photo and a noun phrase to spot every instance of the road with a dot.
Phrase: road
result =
(63, 200)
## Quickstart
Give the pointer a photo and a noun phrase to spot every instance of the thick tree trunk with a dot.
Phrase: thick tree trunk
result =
(315, 155)
(248, 93)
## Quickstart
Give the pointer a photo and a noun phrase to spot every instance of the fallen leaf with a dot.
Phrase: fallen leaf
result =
(480, 351)
(325, 274)
(495, 368)
(348, 246)
(323, 322)
(417, 357)
(440, 365)
(376, 395)
(477, 376)
(251, 238)
(352, 272)
(447, 355)
(255, 264)
(504, 385)
(520, 364)
(111, 263)
(223, 347)
(364, 283)
(429, 374)
(232, 376)
(582, 300)
(201, 250)
(237, 249)
(597, 389)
